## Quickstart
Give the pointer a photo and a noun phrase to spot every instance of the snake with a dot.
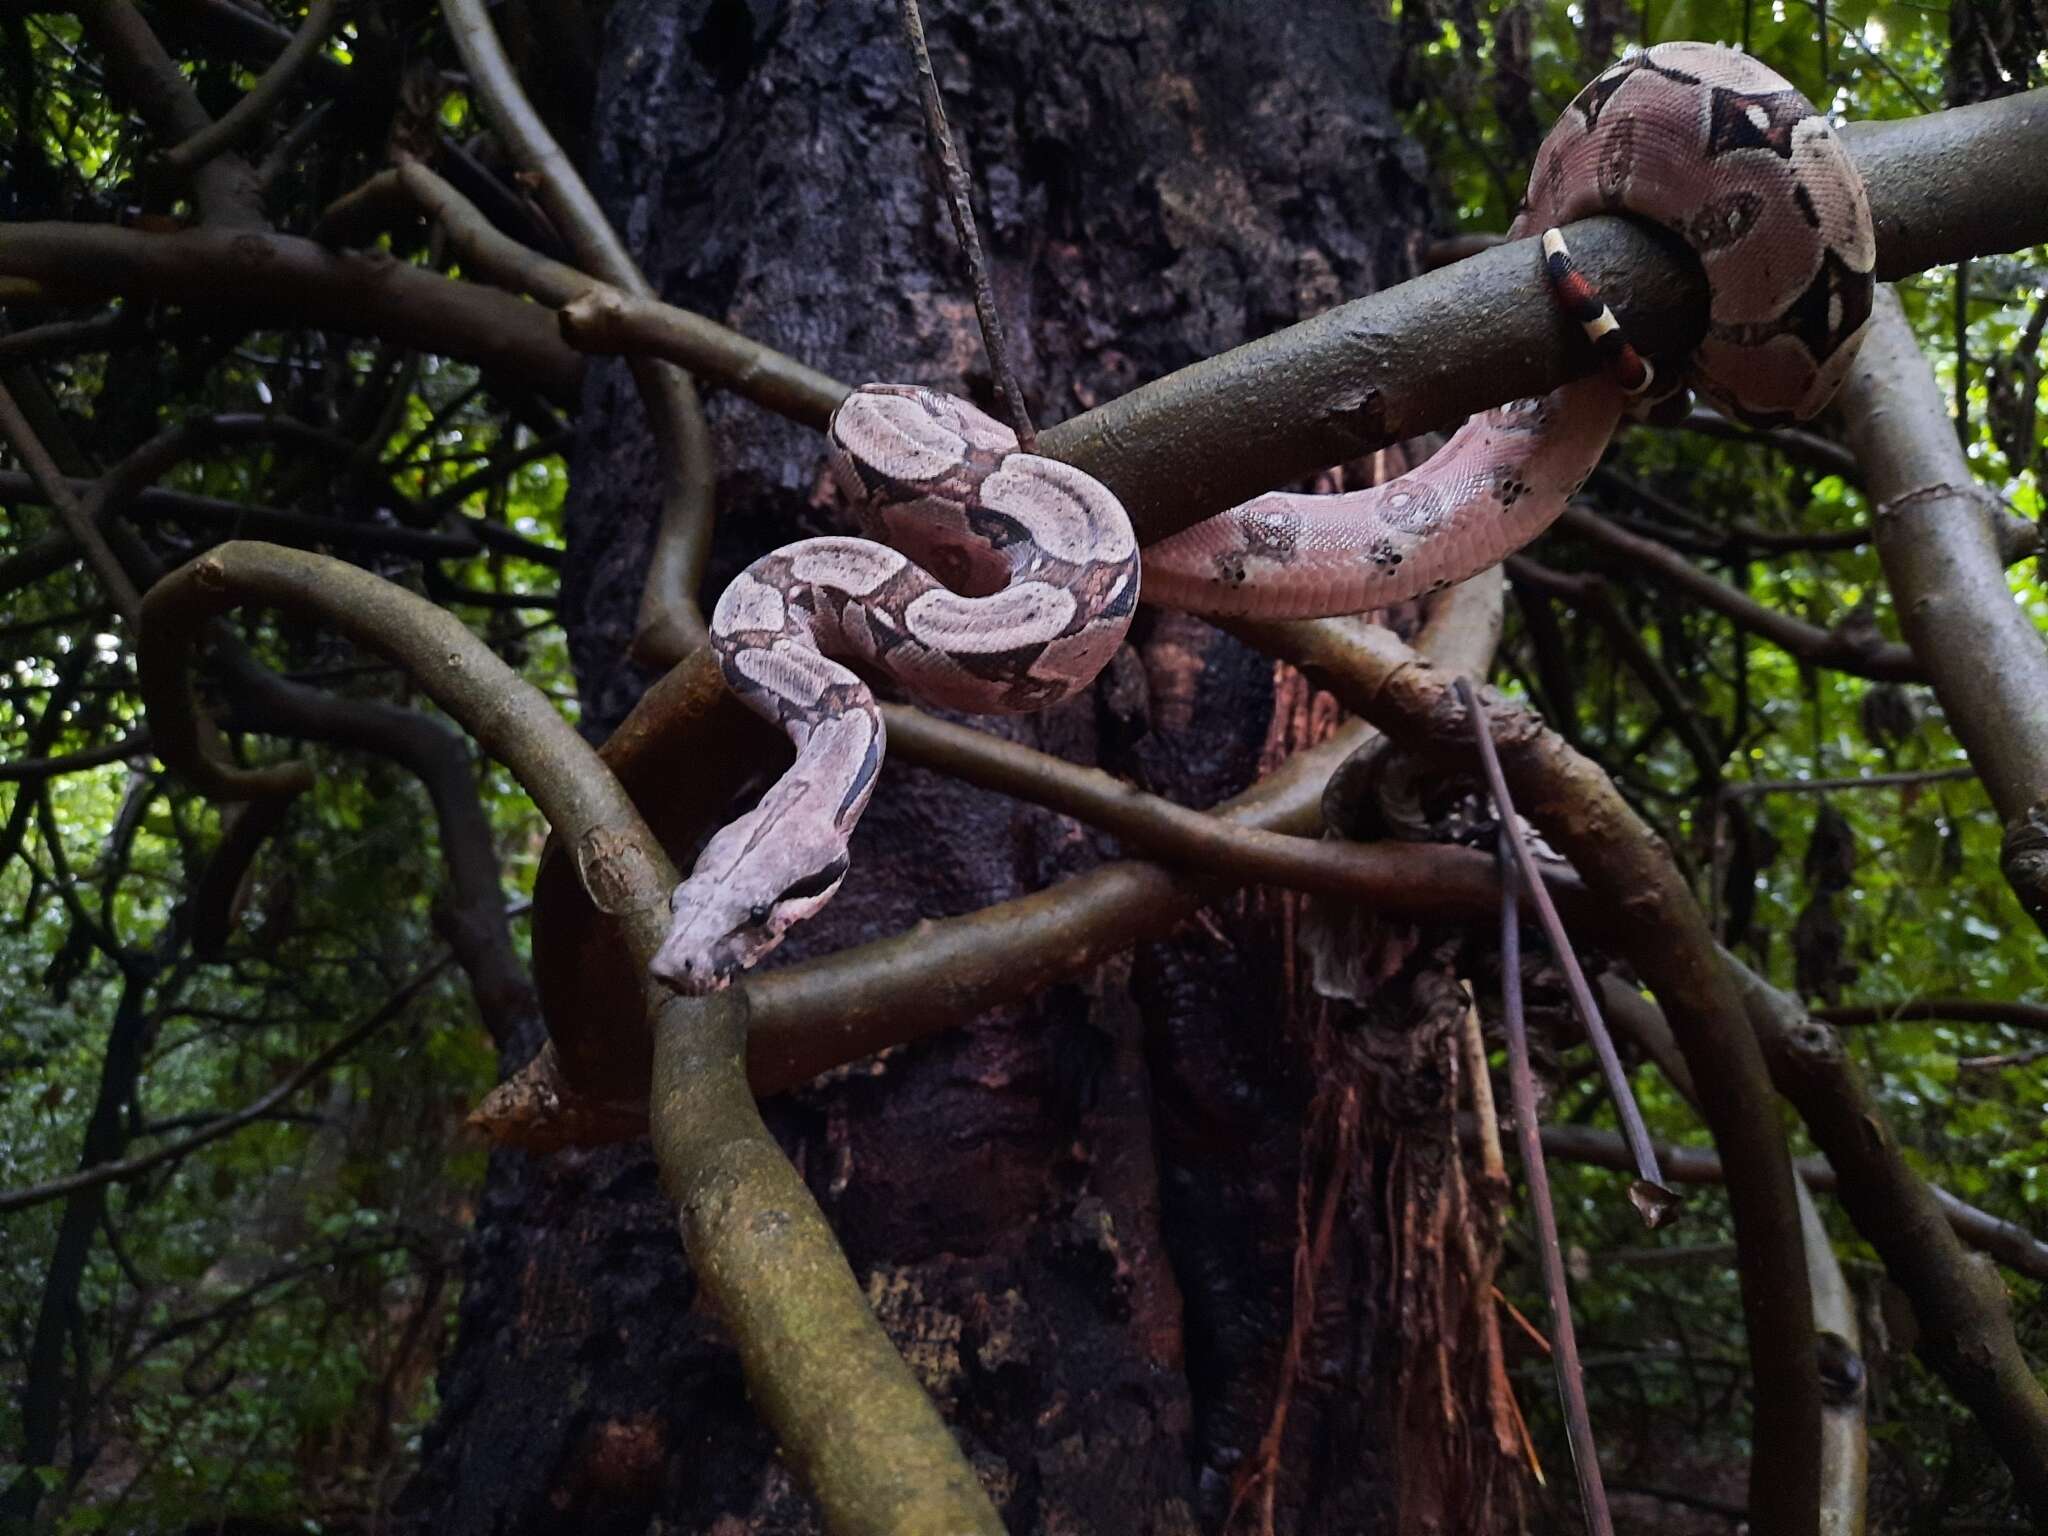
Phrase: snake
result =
(991, 579)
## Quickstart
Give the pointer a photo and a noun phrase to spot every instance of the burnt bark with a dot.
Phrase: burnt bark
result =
(1079, 1216)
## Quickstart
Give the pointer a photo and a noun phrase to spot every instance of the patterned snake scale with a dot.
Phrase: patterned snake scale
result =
(997, 580)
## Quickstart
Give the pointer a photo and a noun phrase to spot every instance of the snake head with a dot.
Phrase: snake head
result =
(752, 884)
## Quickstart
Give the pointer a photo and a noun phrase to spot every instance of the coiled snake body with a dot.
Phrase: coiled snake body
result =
(1007, 580)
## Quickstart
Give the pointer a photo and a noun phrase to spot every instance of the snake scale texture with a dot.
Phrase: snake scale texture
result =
(996, 580)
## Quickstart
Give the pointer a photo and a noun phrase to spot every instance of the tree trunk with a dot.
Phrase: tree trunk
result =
(1080, 1218)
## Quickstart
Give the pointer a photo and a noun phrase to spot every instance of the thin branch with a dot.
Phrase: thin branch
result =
(1809, 449)
(248, 277)
(135, 744)
(1849, 651)
(1416, 879)
(77, 519)
(1960, 1010)
(608, 322)
(1751, 787)
(2009, 1243)
(669, 618)
(1571, 1378)
(1651, 1199)
(240, 120)
(256, 1109)
(494, 255)
(960, 203)
(301, 529)
(1590, 593)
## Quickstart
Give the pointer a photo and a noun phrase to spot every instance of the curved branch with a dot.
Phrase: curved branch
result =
(848, 1412)
(902, 988)
(670, 621)
(235, 124)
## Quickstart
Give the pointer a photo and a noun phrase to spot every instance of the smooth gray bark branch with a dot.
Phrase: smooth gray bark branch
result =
(1937, 536)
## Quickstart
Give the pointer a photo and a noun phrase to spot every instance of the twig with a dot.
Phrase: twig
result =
(255, 1109)
(2025, 1058)
(1960, 1010)
(1830, 786)
(960, 202)
(2007, 1242)
(1571, 1382)
(1649, 1195)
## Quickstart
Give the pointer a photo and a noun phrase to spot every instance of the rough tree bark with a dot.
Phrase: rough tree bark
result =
(1079, 1217)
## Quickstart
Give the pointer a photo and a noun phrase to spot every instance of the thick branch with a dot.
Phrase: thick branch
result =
(1941, 557)
(848, 1412)
(1425, 355)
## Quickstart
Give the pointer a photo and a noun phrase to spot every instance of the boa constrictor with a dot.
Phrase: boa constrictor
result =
(997, 580)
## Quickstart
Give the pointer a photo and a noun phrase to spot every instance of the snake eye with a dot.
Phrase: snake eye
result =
(760, 914)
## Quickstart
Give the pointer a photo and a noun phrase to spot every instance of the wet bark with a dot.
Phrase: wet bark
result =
(1079, 1217)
